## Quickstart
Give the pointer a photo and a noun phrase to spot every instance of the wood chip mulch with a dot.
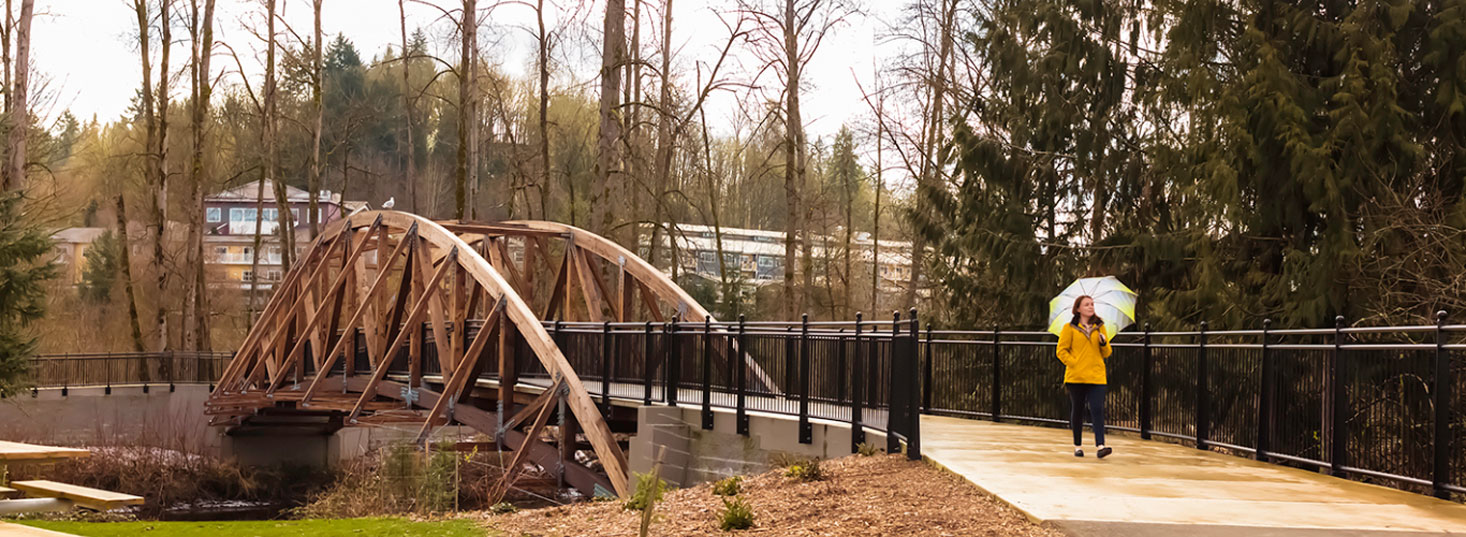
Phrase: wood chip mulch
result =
(864, 496)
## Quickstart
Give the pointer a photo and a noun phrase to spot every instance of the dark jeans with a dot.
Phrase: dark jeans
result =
(1094, 396)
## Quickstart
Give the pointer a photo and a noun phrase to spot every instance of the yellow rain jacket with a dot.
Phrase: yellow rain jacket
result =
(1083, 355)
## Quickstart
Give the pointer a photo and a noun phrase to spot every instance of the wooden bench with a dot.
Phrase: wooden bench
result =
(8, 493)
(101, 500)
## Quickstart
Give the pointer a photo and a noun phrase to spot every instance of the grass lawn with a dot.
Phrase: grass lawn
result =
(353, 527)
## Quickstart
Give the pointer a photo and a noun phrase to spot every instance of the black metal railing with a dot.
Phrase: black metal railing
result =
(148, 369)
(1380, 404)
(864, 373)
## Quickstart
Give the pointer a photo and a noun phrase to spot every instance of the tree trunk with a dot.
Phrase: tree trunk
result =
(930, 168)
(409, 168)
(154, 229)
(284, 221)
(196, 331)
(315, 166)
(160, 192)
(124, 265)
(608, 156)
(793, 163)
(621, 191)
(875, 235)
(544, 120)
(19, 115)
(466, 139)
(664, 137)
(6, 30)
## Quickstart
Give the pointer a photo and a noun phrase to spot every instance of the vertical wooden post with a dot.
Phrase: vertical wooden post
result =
(508, 373)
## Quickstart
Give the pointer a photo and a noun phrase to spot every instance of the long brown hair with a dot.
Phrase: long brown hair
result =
(1075, 310)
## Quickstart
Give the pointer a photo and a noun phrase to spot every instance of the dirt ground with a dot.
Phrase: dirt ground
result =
(864, 496)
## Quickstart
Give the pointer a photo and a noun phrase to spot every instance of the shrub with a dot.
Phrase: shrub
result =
(736, 514)
(805, 470)
(727, 487)
(649, 489)
(867, 449)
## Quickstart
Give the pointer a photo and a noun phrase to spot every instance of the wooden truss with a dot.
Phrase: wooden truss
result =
(481, 291)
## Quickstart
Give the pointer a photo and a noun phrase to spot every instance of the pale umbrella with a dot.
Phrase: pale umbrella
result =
(1113, 302)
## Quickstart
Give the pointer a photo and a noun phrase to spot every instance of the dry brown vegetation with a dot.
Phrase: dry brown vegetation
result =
(884, 495)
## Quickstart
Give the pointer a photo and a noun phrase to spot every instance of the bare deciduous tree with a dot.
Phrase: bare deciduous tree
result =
(15, 100)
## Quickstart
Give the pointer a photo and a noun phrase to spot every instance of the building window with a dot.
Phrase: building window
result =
(249, 252)
(240, 214)
(247, 276)
(220, 252)
(271, 215)
(273, 276)
(213, 215)
(295, 215)
(707, 262)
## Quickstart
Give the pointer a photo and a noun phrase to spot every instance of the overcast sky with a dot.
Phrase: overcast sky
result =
(88, 52)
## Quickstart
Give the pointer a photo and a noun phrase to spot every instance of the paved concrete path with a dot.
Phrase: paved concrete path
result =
(1150, 488)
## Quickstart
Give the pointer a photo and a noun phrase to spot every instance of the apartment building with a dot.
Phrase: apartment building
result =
(230, 219)
(758, 255)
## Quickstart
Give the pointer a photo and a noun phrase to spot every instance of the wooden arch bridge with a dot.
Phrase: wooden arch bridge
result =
(391, 318)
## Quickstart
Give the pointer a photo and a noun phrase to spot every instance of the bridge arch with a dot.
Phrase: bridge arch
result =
(368, 278)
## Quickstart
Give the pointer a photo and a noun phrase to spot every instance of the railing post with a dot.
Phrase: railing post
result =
(606, 359)
(806, 432)
(997, 387)
(1203, 394)
(172, 363)
(1265, 397)
(857, 391)
(742, 368)
(674, 364)
(1337, 452)
(926, 371)
(791, 364)
(646, 365)
(841, 366)
(707, 377)
(1147, 391)
(893, 392)
(1441, 474)
(913, 411)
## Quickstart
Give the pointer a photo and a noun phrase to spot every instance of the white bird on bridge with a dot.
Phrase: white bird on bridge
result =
(392, 201)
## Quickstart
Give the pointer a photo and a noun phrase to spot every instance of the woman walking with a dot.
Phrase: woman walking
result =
(1083, 349)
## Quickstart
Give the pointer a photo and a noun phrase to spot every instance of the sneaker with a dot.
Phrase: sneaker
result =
(1078, 452)
(1104, 452)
